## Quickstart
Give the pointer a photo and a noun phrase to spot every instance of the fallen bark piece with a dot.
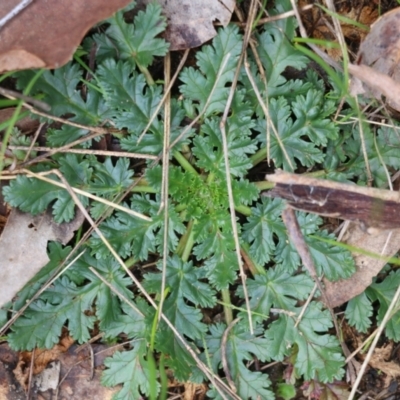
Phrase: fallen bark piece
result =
(369, 206)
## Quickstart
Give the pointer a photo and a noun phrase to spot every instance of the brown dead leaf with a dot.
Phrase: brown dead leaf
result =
(366, 267)
(381, 52)
(380, 360)
(75, 374)
(23, 247)
(190, 23)
(47, 32)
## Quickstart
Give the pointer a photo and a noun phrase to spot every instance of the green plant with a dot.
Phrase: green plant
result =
(202, 266)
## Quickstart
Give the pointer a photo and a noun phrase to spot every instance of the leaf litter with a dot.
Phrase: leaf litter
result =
(194, 327)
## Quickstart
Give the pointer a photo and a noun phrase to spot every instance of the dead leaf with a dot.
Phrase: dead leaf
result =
(381, 51)
(47, 32)
(76, 373)
(366, 267)
(23, 247)
(379, 360)
(190, 23)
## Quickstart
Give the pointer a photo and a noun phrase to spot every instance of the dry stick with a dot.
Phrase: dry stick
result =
(42, 177)
(15, 11)
(217, 382)
(13, 95)
(225, 148)
(116, 291)
(62, 148)
(224, 360)
(166, 94)
(266, 112)
(165, 178)
(29, 394)
(379, 332)
(87, 151)
(264, 80)
(35, 136)
(364, 147)
(37, 294)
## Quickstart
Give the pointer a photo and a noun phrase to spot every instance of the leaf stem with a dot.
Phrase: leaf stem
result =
(226, 298)
(184, 163)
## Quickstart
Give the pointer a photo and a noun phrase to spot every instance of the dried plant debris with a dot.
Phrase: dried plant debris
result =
(381, 52)
(190, 23)
(46, 34)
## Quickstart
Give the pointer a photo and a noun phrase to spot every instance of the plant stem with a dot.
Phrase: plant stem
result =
(264, 185)
(261, 155)
(244, 210)
(186, 242)
(226, 298)
(185, 164)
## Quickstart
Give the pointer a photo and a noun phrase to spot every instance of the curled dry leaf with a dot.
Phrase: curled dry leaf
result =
(190, 23)
(378, 60)
(23, 248)
(47, 32)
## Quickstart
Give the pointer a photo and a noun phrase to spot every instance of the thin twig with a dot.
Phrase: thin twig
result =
(224, 357)
(42, 176)
(225, 149)
(116, 291)
(87, 151)
(35, 136)
(165, 179)
(15, 11)
(13, 95)
(167, 92)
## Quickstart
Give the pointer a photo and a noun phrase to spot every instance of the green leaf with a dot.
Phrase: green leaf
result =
(385, 151)
(131, 235)
(295, 146)
(239, 347)
(41, 324)
(358, 312)
(333, 261)
(34, 196)
(131, 369)
(60, 89)
(185, 279)
(265, 222)
(317, 355)
(127, 94)
(109, 181)
(275, 50)
(278, 289)
(198, 84)
(310, 119)
(135, 42)
(383, 292)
